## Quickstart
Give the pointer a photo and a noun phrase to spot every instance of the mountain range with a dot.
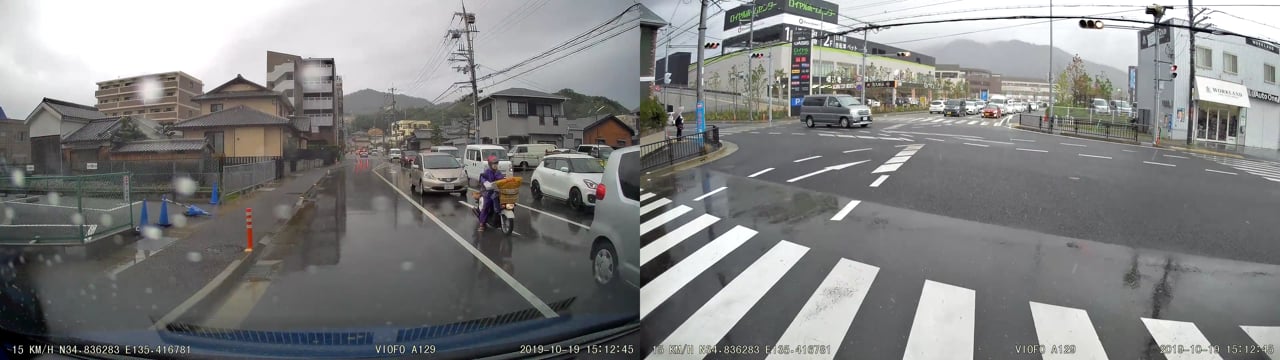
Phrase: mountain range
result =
(369, 101)
(1016, 58)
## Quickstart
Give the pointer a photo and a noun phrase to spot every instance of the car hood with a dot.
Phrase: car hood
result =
(445, 173)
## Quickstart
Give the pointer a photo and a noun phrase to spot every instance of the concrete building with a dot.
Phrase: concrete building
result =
(164, 98)
(1025, 88)
(949, 72)
(522, 116)
(15, 144)
(1237, 96)
(314, 88)
(649, 25)
(678, 62)
(51, 122)
(982, 79)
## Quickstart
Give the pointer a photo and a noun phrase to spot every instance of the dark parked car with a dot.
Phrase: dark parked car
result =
(954, 107)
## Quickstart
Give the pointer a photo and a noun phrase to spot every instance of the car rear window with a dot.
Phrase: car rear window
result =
(629, 175)
(954, 102)
(936, 103)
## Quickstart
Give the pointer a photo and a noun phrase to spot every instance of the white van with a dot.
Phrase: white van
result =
(475, 160)
(523, 155)
(447, 150)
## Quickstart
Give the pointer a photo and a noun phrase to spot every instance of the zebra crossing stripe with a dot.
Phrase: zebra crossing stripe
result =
(1063, 325)
(646, 196)
(887, 168)
(1264, 335)
(825, 318)
(654, 205)
(663, 286)
(974, 122)
(1177, 333)
(715, 318)
(673, 238)
(657, 221)
(943, 325)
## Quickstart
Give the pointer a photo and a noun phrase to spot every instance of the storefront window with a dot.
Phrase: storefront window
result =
(1232, 126)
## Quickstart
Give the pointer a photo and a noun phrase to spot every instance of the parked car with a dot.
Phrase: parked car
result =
(971, 107)
(475, 160)
(438, 173)
(408, 158)
(992, 111)
(524, 155)
(596, 150)
(842, 110)
(1099, 107)
(953, 107)
(935, 106)
(1122, 108)
(570, 177)
(394, 154)
(873, 102)
(614, 239)
(447, 150)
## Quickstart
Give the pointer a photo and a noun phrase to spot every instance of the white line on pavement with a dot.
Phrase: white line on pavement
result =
(713, 192)
(808, 158)
(826, 317)
(898, 146)
(845, 210)
(943, 325)
(1063, 325)
(1156, 163)
(866, 137)
(897, 160)
(1276, 180)
(1022, 140)
(1176, 156)
(980, 145)
(1032, 150)
(502, 274)
(887, 168)
(654, 205)
(646, 196)
(1095, 156)
(934, 139)
(907, 152)
(1177, 333)
(673, 238)
(992, 141)
(1265, 336)
(557, 217)
(819, 134)
(1221, 172)
(856, 150)
(826, 169)
(663, 286)
(974, 122)
(1127, 150)
(1070, 144)
(775, 133)
(879, 180)
(847, 136)
(665, 217)
(760, 172)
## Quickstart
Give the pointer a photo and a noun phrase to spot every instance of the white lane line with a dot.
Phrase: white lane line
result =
(948, 122)
(856, 150)
(975, 122)
(1156, 163)
(934, 139)
(1264, 336)
(663, 286)
(1022, 140)
(992, 141)
(825, 318)
(846, 136)
(902, 145)
(819, 134)
(754, 132)
(1221, 172)
(646, 196)
(879, 180)
(1095, 156)
(1063, 325)
(557, 217)
(1276, 180)
(1032, 150)
(124, 206)
(897, 160)
(464, 203)
(1177, 334)
(1176, 156)
(887, 168)
(1070, 144)
(502, 274)
(826, 169)
(808, 158)
(775, 133)
(1127, 150)
(654, 205)
(866, 137)
(760, 172)
(845, 210)
(979, 145)
(673, 238)
(943, 325)
(715, 318)
(713, 192)
(657, 221)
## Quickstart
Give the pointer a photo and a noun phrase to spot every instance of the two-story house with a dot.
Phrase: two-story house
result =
(242, 119)
(522, 116)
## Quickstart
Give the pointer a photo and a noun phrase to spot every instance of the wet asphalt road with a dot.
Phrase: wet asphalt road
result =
(367, 256)
(968, 249)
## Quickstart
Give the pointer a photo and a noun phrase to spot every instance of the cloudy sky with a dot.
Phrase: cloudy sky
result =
(61, 48)
(1115, 47)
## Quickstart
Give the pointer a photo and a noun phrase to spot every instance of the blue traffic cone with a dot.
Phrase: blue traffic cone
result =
(213, 200)
(142, 220)
(192, 210)
(164, 213)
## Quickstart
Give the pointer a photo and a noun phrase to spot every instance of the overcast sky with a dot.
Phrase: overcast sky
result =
(1115, 47)
(61, 48)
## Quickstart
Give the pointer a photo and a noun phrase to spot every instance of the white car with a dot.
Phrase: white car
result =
(615, 243)
(394, 154)
(475, 160)
(571, 177)
(935, 106)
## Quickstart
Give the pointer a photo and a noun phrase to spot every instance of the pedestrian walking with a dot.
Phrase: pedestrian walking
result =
(679, 122)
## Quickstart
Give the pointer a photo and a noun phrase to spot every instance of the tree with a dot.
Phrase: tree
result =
(1061, 93)
(1103, 86)
(652, 115)
(437, 134)
(713, 81)
(1081, 83)
(127, 132)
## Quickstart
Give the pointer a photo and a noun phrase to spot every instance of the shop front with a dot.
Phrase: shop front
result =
(1221, 110)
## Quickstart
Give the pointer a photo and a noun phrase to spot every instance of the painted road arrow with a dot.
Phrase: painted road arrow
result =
(826, 169)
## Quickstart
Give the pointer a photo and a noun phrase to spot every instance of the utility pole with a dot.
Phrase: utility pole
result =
(1049, 112)
(769, 73)
(468, 28)
(751, 35)
(863, 74)
(392, 90)
(702, 38)
(1191, 81)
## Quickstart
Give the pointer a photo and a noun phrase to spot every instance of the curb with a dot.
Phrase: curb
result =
(203, 300)
(724, 151)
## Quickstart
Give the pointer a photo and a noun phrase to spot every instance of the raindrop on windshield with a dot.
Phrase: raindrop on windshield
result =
(151, 232)
(118, 239)
(282, 211)
(311, 269)
(57, 258)
(8, 214)
(106, 220)
(381, 203)
(77, 219)
(406, 266)
(54, 198)
(147, 290)
(194, 256)
(93, 287)
(185, 186)
(178, 220)
(18, 178)
(150, 90)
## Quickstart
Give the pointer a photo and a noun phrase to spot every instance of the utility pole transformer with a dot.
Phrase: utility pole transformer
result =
(469, 28)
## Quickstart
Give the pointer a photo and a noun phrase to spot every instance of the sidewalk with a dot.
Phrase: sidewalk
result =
(1235, 151)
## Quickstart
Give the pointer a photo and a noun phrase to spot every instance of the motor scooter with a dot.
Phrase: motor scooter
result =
(504, 200)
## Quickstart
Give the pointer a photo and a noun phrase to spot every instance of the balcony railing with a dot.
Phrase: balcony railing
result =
(313, 103)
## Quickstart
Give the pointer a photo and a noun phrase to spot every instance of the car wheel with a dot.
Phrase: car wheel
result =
(604, 263)
(844, 123)
(535, 190)
(808, 121)
(575, 199)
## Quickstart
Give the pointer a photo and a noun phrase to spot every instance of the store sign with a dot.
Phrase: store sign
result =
(742, 14)
(822, 11)
(801, 49)
(1263, 45)
(1263, 96)
(882, 84)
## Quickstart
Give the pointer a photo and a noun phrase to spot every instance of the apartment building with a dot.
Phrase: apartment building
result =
(315, 90)
(164, 98)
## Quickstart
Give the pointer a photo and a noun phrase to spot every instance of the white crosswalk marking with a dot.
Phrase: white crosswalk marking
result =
(943, 325)
(1178, 333)
(673, 238)
(1063, 325)
(656, 204)
(973, 122)
(663, 286)
(826, 317)
(887, 168)
(1264, 336)
(646, 196)
(657, 221)
(715, 318)
(1265, 169)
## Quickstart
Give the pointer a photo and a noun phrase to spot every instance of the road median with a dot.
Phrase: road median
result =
(725, 150)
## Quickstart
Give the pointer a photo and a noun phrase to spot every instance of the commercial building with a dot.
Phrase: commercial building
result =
(164, 98)
(980, 80)
(314, 88)
(1025, 88)
(1237, 98)
(674, 63)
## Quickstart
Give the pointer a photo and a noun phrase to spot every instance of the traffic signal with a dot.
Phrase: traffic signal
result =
(712, 45)
(1090, 24)
(1157, 11)
(1173, 71)
(904, 53)
(757, 56)
(666, 79)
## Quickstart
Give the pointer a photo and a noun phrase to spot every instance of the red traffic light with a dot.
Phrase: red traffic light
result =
(1173, 68)
(711, 45)
(757, 56)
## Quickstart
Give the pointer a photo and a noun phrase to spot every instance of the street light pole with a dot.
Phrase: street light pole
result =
(863, 74)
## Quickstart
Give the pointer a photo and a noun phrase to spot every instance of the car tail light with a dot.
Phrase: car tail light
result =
(599, 191)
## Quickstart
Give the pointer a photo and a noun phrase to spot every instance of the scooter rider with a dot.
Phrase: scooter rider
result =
(489, 198)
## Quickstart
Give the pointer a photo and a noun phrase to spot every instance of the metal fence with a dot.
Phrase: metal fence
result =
(671, 151)
(238, 178)
(65, 210)
(1122, 128)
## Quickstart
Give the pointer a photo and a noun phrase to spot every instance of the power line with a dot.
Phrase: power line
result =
(526, 81)
(574, 41)
(1237, 17)
(623, 30)
(915, 7)
(996, 28)
(506, 25)
(1018, 7)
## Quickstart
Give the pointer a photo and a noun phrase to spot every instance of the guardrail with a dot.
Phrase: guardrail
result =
(1126, 129)
(671, 151)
